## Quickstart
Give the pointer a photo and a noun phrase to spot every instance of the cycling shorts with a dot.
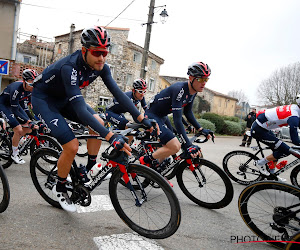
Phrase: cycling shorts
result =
(9, 116)
(117, 119)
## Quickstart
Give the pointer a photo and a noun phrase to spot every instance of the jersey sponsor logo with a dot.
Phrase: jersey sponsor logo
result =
(84, 84)
(283, 111)
(114, 120)
(74, 97)
(54, 122)
(74, 77)
(93, 75)
(15, 95)
(180, 94)
(50, 79)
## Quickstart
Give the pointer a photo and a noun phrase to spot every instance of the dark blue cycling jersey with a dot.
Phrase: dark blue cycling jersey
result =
(10, 103)
(58, 90)
(175, 99)
(24, 102)
(119, 108)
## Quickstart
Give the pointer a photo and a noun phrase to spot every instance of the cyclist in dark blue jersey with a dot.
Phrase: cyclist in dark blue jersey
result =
(25, 102)
(13, 113)
(178, 100)
(115, 111)
(57, 95)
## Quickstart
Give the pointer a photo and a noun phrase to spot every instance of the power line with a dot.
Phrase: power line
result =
(85, 13)
(119, 14)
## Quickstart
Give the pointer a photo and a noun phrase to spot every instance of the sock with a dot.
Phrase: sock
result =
(262, 162)
(15, 151)
(91, 162)
(60, 186)
(148, 158)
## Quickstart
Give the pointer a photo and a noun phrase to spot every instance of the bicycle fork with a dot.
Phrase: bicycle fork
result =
(193, 168)
(126, 179)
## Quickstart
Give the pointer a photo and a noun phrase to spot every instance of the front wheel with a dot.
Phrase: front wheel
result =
(5, 152)
(206, 185)
(157, 215)
(239, 166)
(4, 191)
(295, 176)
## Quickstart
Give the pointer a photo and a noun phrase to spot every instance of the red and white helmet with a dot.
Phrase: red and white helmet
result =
(199, 69)
(29, 74)
(139, 84)
(96, 37)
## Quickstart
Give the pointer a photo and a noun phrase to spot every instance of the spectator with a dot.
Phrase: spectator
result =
(250, 118)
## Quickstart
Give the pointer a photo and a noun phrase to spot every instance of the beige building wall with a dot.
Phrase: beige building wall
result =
(223, 106)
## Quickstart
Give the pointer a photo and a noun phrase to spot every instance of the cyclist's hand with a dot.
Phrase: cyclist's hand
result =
(42, 128)
(193, 151)
(208, 133)
(151, 125)
(32, 125)
(191, 129)
(118, 143)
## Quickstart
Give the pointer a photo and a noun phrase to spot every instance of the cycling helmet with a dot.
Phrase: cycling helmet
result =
(199, 69)
(29, 74)
(139, 84)
(96, 37)
(298, 99)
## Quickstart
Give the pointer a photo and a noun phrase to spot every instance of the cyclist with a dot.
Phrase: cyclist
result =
(177, 99)
(115, 111)
(275, 118)
(12, 112)
(57, 95)
(25, 102)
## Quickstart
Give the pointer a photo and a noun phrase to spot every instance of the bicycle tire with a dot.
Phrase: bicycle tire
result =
(234, 167)
(210, 195)
(295, 176)
(294, 242)
(45, 141)
(40, 170)
(5, 152)
(262, 202)
(161, 201)
(4, 191)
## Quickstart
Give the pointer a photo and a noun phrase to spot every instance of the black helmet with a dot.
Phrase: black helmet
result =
(29, 74)
(139, 84)
(96, 37)
(199, 69)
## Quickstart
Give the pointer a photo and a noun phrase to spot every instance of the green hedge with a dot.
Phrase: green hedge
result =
(207, 124)
(231, 118)
(216, 119)
(232, 128)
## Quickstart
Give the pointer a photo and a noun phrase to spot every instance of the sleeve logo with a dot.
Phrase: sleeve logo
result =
(74, 77)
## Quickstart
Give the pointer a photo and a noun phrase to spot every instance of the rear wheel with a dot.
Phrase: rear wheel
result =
(157, 215)
(5, 152)
(207, 185)
(295, 176)
(4, 191)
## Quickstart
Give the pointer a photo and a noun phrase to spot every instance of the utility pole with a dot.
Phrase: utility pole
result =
(147, 39)
(71, 38)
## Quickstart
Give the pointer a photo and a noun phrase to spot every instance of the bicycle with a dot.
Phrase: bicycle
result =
(4, 191)
(272, 211)
(239, 166)
(151, 212)
(31, 142)
(200, 180)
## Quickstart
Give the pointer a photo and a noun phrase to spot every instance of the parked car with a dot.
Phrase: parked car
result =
(284, 132)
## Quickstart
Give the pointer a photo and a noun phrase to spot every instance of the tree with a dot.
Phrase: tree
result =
(200, 105)
(238, 94)
(281, 87)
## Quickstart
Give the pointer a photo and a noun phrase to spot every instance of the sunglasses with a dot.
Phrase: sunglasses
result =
(29, 83)
(98, 53)
(140, 91)
(202, 80)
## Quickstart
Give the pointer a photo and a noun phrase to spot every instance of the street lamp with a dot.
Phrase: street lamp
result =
(163, 15)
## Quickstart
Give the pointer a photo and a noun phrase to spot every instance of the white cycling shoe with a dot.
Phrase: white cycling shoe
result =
(281, 179)
(64, 200)
(262, 169)
(17, 159)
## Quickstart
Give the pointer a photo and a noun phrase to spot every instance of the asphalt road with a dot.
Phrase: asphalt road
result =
(31, 223)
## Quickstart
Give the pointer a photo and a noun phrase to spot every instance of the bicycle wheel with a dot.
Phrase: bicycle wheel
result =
(294, 242)
(207, 185)
(295, 176)
(158, 216)
(4, 191)
(5, 152)
(266, 207)
(82, 149)
(44, 173)
(239, 166)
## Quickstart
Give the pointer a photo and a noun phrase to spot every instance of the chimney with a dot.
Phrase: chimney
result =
(33, 38)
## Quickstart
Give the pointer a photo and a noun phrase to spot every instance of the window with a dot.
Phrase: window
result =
(129, 80)
(151, 84)
(103, 101)
(26, 59)
(112, 69)
(59, 49)
(153, 65)
(137, 57)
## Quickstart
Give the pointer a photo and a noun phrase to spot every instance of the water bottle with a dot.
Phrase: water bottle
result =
(95, 170)
(22, 141)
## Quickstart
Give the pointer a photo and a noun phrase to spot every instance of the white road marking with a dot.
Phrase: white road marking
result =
(99, 203)
(126, 241)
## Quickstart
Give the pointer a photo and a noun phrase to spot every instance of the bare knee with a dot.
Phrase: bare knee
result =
(71, 147)
(174, 145)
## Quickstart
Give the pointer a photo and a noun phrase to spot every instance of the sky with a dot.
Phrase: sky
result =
(243, 42)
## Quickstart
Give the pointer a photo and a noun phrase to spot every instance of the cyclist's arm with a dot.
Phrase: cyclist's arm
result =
(16, 108)
(144, 104)
(190, 116)
(293, 122)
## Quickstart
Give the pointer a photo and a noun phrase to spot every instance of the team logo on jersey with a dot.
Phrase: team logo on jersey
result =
(15, 94)
(93, 75)
(180, 94)
(54, 122)
(74, 77)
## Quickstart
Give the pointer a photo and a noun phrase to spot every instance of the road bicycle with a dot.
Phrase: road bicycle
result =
(4, 191)
(151, 212)
(30, 142)
(239, 166)
(272, 211)
(200, 180)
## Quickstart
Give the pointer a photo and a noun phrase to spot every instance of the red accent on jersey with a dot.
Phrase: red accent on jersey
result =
(283, 111)
(260, 112)
(86, 83)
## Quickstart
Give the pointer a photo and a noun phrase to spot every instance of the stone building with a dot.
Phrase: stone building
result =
(124, 61)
